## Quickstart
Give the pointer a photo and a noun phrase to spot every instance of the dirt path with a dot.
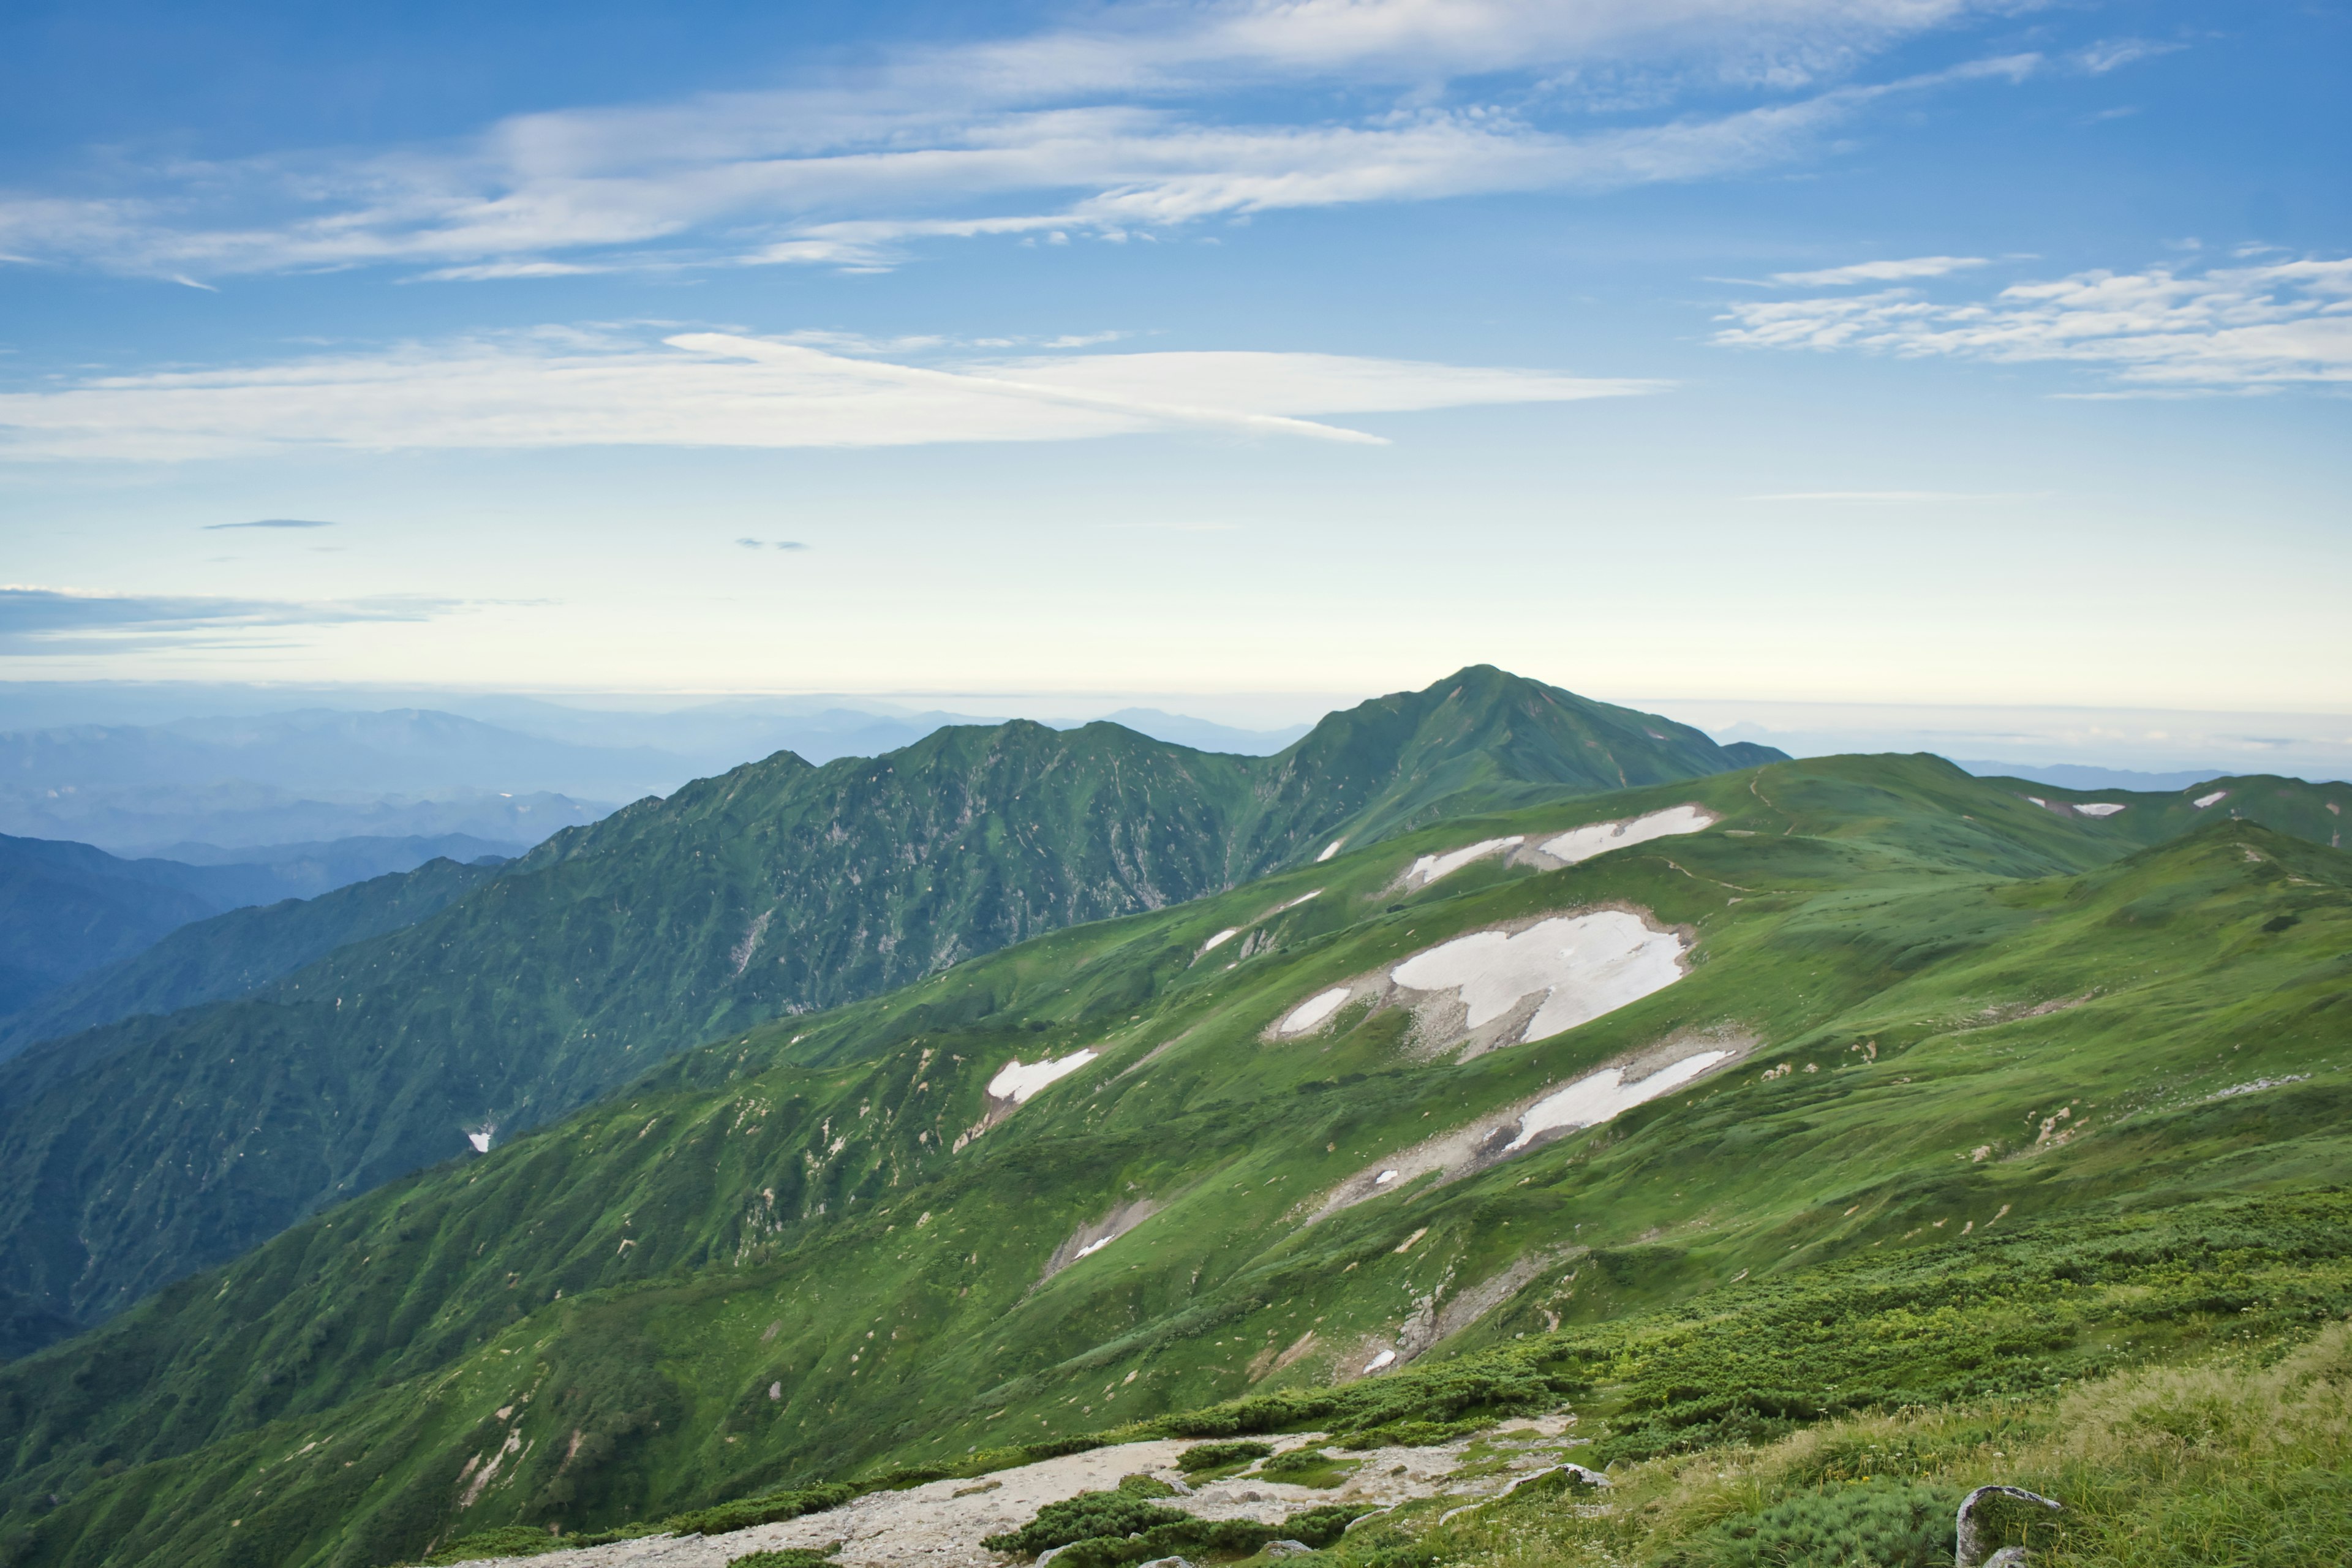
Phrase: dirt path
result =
(941, 1523)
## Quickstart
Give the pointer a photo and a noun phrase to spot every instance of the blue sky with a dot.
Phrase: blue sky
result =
(1868, 351)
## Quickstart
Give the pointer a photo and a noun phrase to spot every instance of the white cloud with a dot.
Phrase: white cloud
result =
(2243, 328)
(2114, 53)
(561, 387)
(36, 619)
(1880, 271)
(1114, 129)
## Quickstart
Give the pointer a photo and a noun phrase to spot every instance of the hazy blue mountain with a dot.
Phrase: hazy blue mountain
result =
(139, 819)
(331, 751)
(305, 870)
(67, 909)
(231, 954)
(2077, 775)
(1204, 736)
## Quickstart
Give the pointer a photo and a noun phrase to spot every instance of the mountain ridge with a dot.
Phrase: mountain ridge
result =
(773, 890)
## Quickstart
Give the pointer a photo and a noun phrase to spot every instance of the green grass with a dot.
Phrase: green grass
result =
(769, 1264)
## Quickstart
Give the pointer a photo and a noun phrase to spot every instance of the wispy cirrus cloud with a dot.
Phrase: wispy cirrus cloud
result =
(2153, 332)
(35, 619)
(269, 523)
(561, 388)
(1142, 119)
(1880, 271)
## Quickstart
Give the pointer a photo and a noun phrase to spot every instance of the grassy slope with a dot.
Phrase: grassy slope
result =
(777, 889)
(750, 1213)
(242, 950)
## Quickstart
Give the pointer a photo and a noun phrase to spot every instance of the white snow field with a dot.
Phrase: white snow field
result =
(1590, 1101)
(1328, 850)
(1017, 1083)
(1312, 1010)
(2202, 800)
(1600, 837)
(1430, 868)
(1559, 1106)
(1225, 935)
(1584, 964)
(2099, 808)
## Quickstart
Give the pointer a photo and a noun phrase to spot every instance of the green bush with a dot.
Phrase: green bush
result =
(1412, 1434)
(768, 1510)
(1105, 1529)
(1145, 1486)
(1217, 1456)
(1083, 1518)
(785, 1557)
(507, 1540)
(1308, 1466)
(1875, 1524)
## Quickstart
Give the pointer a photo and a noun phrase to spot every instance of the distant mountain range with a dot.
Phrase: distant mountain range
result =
(68, 909)
(2076, 775)
(197, 787)
(777, 889)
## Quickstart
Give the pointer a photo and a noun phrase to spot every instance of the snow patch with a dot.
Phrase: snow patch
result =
(1092, 1237)
(1590, 1101)
(1225, 935)
(479, 1137)
(1600, 837)
(1430, 868)
(2099, 808)
(2256, 1086)
(1386, 1358)
(1584, 965)
(1313, 1011)
(1017, 1083)
(1328, 850)
(1562, 1106)
(2202, 800)
(1300, 900)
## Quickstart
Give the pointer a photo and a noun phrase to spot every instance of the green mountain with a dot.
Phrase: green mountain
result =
(134, 1153)
(242, 950)
(1874, 1006)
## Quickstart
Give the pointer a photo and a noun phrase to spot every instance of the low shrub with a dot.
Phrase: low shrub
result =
(1872, 1524)
(770, 1510)
(1145, 1486)
(1083, 1518)
(1218, 1456)
(1109, 1530)
(507, 1540)
(1308, 1466)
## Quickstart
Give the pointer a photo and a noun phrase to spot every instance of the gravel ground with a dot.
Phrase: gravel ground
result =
(939, 1524)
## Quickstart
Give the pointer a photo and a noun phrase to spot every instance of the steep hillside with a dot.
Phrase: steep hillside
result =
(775, 890)
(1910, 1005)
(242, 950)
